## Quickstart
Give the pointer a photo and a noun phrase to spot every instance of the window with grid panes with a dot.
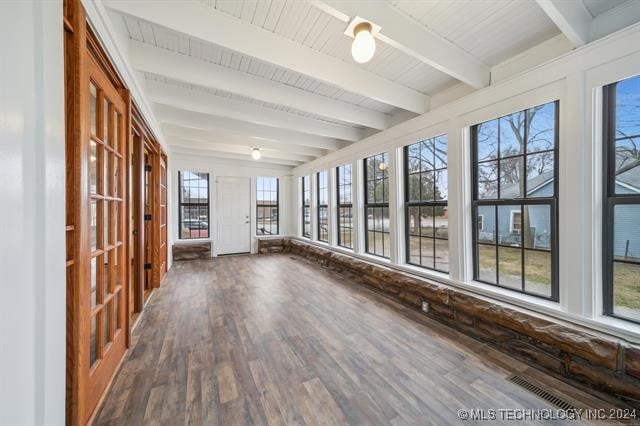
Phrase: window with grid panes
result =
(323, 206)
(306, 207)
(344, 206)
(426, 214)
(376, 205)
(515, 201)
(267, 204)
(193, 204)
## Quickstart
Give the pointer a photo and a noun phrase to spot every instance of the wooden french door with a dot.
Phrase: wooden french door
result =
(102, 308)
(145, 197)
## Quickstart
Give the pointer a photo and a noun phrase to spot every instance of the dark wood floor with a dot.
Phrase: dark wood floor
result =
(278, 340)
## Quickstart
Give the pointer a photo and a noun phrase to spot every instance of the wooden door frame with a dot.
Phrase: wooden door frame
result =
(75, 35)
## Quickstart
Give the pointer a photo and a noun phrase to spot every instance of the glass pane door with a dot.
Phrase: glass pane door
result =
(105, 287)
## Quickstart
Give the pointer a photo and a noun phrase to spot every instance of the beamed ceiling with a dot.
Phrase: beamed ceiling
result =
(225, 76)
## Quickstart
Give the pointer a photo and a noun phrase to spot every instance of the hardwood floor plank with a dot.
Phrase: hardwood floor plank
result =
(227, 390)
(155, 402)
(275, 340)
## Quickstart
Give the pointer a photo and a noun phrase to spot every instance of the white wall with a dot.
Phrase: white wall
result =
(575, 79)
(217, 167)
(32, 213)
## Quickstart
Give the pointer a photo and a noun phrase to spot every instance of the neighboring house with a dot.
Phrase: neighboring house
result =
(627, 232)
(510, 221)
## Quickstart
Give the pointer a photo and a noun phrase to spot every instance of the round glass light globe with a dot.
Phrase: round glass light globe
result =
(363, 47)
(256, 154)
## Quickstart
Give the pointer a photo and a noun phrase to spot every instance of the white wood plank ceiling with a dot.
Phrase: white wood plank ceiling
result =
(228, 75)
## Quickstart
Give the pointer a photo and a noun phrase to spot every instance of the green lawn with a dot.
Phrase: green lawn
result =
(537, 268)
(345, 238)
(438, 261)
(538, 275)
(626, 278)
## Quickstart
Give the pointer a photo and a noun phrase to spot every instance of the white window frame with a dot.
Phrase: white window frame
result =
(512, 221)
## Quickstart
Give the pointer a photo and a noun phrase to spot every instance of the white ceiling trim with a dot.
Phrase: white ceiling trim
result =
(571, 17)
(404, 33)
(190, 70)
(172, 131)
(256, 132)
(206, 103)
(205, 23)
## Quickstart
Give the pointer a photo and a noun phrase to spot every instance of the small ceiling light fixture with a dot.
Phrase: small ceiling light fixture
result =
(364, 45)
(256, 154)
(382, 166)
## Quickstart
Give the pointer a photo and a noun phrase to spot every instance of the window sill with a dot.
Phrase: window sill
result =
(363, 256)
(426, 273)
(373, 258)
(193, 241)
(616, 325)
(344, 250)
(268, 237)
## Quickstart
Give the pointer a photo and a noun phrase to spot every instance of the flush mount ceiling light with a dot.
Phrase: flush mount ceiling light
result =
(382, 166)
(364, 45)
(256, 154)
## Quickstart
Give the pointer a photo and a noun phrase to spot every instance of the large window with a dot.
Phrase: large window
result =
(376, 205)
(323, 206)
(622, 199)
(267, 202)
(515, 198)
(426, 218)
(193, 204)
(345, 206)
(306, 207)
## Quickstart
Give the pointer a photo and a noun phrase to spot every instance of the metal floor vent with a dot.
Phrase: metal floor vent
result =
(541, 393)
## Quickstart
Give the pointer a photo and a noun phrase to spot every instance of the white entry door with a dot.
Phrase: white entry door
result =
(234, 215)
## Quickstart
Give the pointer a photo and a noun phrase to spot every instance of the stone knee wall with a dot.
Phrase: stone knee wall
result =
(270, 245)
(604, 362)
(191, 251)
